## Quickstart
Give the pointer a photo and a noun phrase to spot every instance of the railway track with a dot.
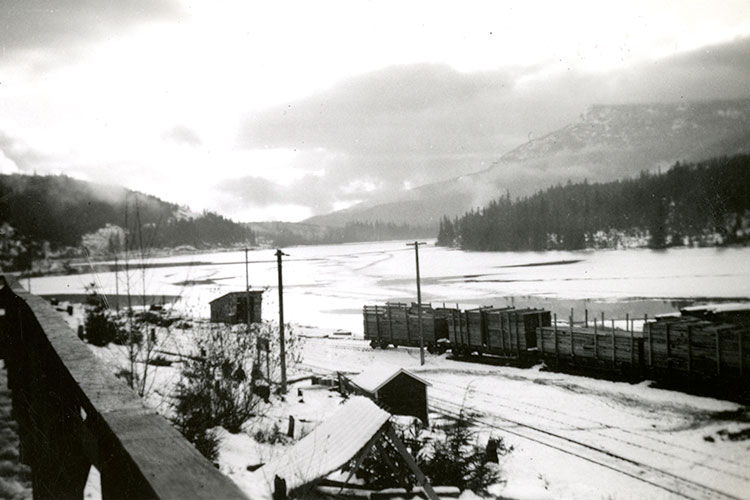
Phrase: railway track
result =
(620, 436)
(657, 477)
(613, 448)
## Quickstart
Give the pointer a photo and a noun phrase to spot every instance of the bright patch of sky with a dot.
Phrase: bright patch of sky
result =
(177, 98)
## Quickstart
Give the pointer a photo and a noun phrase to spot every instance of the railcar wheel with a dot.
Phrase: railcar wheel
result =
(374, 344)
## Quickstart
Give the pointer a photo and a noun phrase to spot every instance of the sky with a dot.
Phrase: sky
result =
(287, 109)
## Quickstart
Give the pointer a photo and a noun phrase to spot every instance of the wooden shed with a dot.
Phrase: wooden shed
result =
(232, 307)
(398, 390)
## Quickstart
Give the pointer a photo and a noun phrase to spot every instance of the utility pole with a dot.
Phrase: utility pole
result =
(279, 253)
(247, 293)
(419, 300)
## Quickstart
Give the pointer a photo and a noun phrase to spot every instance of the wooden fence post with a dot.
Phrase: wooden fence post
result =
(572, 342)
(554, 330)
(669, 349)
(647, 326)
(377, 323)
(596, 343)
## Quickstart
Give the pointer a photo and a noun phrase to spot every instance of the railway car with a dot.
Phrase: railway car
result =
(603, 350)
(710, 350)
(398, 324)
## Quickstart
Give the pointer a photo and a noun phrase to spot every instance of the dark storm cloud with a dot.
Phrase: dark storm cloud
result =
(424, 123)
(47, 24)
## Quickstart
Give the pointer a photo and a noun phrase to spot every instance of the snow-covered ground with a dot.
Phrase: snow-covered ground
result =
(576, 437)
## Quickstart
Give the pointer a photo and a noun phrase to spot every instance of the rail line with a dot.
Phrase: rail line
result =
(650, 446)
(635, 469)
(665, 480)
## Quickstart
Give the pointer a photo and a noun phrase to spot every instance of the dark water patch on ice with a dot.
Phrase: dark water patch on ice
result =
(537, 264)
(206, 281)
(135, 299)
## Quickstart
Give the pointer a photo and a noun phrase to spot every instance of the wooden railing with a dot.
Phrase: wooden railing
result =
(72, 413)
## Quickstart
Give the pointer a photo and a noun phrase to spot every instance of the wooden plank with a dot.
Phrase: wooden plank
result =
(690, 349)
(557, 350)
(650, 341)
(518, 342)
(596, 346)
(541, 337)
(632, 340)
(614, 345)
(572, 339)
(377, 323)
(718, 352)
(740, 333)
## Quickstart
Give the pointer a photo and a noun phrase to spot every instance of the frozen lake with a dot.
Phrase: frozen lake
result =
(326, 286)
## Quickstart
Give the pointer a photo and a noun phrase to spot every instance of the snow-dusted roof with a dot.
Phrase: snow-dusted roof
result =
(230, 294)
(719, 308)
(376, 376)
(329, 446)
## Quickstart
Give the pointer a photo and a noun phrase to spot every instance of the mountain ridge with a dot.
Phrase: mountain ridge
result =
(610, 141)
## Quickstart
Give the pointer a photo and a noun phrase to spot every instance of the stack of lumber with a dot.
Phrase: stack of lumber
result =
(455, 323)
(512, 330)
(398, 324)
(588, 346)
(696, 346)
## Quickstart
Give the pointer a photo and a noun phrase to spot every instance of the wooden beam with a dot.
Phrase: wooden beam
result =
(421, 479)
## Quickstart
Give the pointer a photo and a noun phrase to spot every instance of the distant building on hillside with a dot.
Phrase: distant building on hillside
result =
(232, 307)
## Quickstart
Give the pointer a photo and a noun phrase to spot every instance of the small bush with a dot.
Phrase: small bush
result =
(455, 460)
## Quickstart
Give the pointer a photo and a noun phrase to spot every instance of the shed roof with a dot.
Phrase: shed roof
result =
(329, 446)
(378, 375)
(235, 293)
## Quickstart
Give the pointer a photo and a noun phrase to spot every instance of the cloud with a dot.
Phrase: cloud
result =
(24, 158)
(183, 135)
(423, 123)
(53, 25)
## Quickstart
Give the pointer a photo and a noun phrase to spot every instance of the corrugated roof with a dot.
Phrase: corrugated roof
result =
(377, 375)
(329, 446)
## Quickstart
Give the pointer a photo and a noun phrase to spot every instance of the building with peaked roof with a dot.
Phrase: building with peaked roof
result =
(232, 307)
(398, 390)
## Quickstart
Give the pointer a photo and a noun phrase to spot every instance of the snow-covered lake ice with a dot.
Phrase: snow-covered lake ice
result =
(326, 286)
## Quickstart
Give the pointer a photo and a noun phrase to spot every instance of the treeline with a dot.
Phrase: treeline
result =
(41, 214)
(703, 203)
(352, 232)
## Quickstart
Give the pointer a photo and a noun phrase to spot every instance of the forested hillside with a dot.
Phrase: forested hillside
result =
(702, 203)
(295, 234)
(58, 212)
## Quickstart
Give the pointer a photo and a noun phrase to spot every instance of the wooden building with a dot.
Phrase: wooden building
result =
(398, 390)
(232, 308)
